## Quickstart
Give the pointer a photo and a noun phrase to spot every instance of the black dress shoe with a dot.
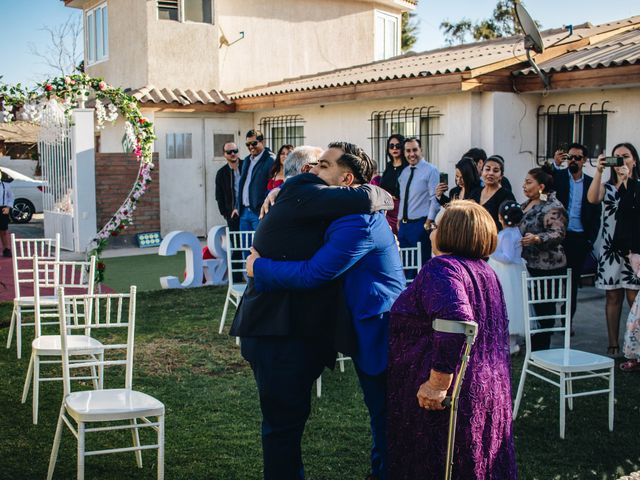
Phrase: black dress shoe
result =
(6, 253)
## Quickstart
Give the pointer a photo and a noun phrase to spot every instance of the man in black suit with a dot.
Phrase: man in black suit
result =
(571, 185)
(228, 185)
(288, 337)
(253, 180)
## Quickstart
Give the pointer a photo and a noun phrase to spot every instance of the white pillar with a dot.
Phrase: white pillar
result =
(84, 178)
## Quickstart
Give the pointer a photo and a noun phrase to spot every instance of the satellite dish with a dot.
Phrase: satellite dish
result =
(532, 38)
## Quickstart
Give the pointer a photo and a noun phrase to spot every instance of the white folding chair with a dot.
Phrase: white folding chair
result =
(560, 367)
(79, 278)
(411, 261)
(23, 251)
(237, 243)
(340, 360)
(123, 406)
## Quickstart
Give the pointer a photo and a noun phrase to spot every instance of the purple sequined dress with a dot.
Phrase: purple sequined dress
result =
(451, 287)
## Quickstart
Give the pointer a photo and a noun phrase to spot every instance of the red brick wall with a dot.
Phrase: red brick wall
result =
(115, 174)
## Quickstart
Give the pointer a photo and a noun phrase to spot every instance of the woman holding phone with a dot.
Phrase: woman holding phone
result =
(467, 180)
(619, 219)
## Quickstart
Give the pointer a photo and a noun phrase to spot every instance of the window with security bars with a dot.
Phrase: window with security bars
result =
(420, 122)
(559, 126)
(282, 130)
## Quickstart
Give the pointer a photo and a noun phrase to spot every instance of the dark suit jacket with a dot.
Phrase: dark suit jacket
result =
(259, 179)
(225, 194)
(589, 214)
(294, 229)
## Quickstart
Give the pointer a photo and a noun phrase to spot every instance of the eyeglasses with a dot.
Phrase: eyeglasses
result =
(231, 152)
(394, 146)
(252, 144)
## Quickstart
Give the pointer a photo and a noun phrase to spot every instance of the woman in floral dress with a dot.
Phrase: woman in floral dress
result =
(615, 274)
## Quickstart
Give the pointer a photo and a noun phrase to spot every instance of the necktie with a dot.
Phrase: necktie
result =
(405, 206)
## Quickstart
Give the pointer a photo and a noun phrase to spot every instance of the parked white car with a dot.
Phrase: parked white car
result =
(28, 193)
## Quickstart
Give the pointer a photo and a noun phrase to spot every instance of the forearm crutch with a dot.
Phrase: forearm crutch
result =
(470, 331)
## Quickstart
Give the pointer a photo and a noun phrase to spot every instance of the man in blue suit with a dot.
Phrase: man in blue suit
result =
(363, 250)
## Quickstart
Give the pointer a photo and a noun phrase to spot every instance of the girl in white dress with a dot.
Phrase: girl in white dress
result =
(508, 264)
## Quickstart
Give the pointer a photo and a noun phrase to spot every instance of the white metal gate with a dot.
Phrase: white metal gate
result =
(67, 156)
(54, 147)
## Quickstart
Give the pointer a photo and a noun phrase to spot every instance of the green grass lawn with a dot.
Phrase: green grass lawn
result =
(213, 416)
(144, 271)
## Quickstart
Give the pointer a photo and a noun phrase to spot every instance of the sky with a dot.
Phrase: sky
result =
(22, 21)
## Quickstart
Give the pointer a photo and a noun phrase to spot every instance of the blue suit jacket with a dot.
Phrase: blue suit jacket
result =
(365, 250)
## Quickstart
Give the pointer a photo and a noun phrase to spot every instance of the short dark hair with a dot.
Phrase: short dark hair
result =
(356, 160)
(413, 139)
(255, 133)
(225, 144)
(579, 146)
(476, 154)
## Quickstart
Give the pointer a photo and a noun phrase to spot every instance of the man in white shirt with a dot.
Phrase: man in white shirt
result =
(418, 203)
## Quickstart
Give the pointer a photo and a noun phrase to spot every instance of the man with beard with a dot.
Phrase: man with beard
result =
(362, 250)
(571, 186)
(287, 336)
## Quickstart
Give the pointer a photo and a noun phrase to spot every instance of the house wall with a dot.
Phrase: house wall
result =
(312, 36)
(502, 123)
(181, 54)
(128, 35)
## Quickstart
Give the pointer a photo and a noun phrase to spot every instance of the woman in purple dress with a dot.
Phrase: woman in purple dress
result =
(457, 284)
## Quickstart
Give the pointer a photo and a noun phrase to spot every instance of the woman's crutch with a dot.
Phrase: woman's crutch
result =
(470, 331)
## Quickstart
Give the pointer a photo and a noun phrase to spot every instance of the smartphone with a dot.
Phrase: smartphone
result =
(444, 178)
(613, 161)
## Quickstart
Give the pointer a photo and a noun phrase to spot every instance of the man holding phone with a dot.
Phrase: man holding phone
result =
(572, 185)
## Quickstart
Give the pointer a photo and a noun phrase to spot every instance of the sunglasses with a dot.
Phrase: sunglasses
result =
(231, 152)
(575, 157)
(394, 146)
(252, 144)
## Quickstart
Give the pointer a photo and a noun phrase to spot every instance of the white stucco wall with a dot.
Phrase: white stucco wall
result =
(126, 65)
(289, 38)
(181, 54)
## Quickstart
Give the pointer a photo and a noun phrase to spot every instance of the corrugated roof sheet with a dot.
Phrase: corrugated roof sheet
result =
(152, 94)
(621, 49)
(435, 62)
(19, 132)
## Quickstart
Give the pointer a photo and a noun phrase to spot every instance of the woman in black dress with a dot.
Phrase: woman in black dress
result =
(395, 164)
(467, 180)
(492, 194)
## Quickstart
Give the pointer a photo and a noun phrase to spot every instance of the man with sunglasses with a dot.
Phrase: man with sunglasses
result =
(572, 185)
(228, 185)
(253, 180)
